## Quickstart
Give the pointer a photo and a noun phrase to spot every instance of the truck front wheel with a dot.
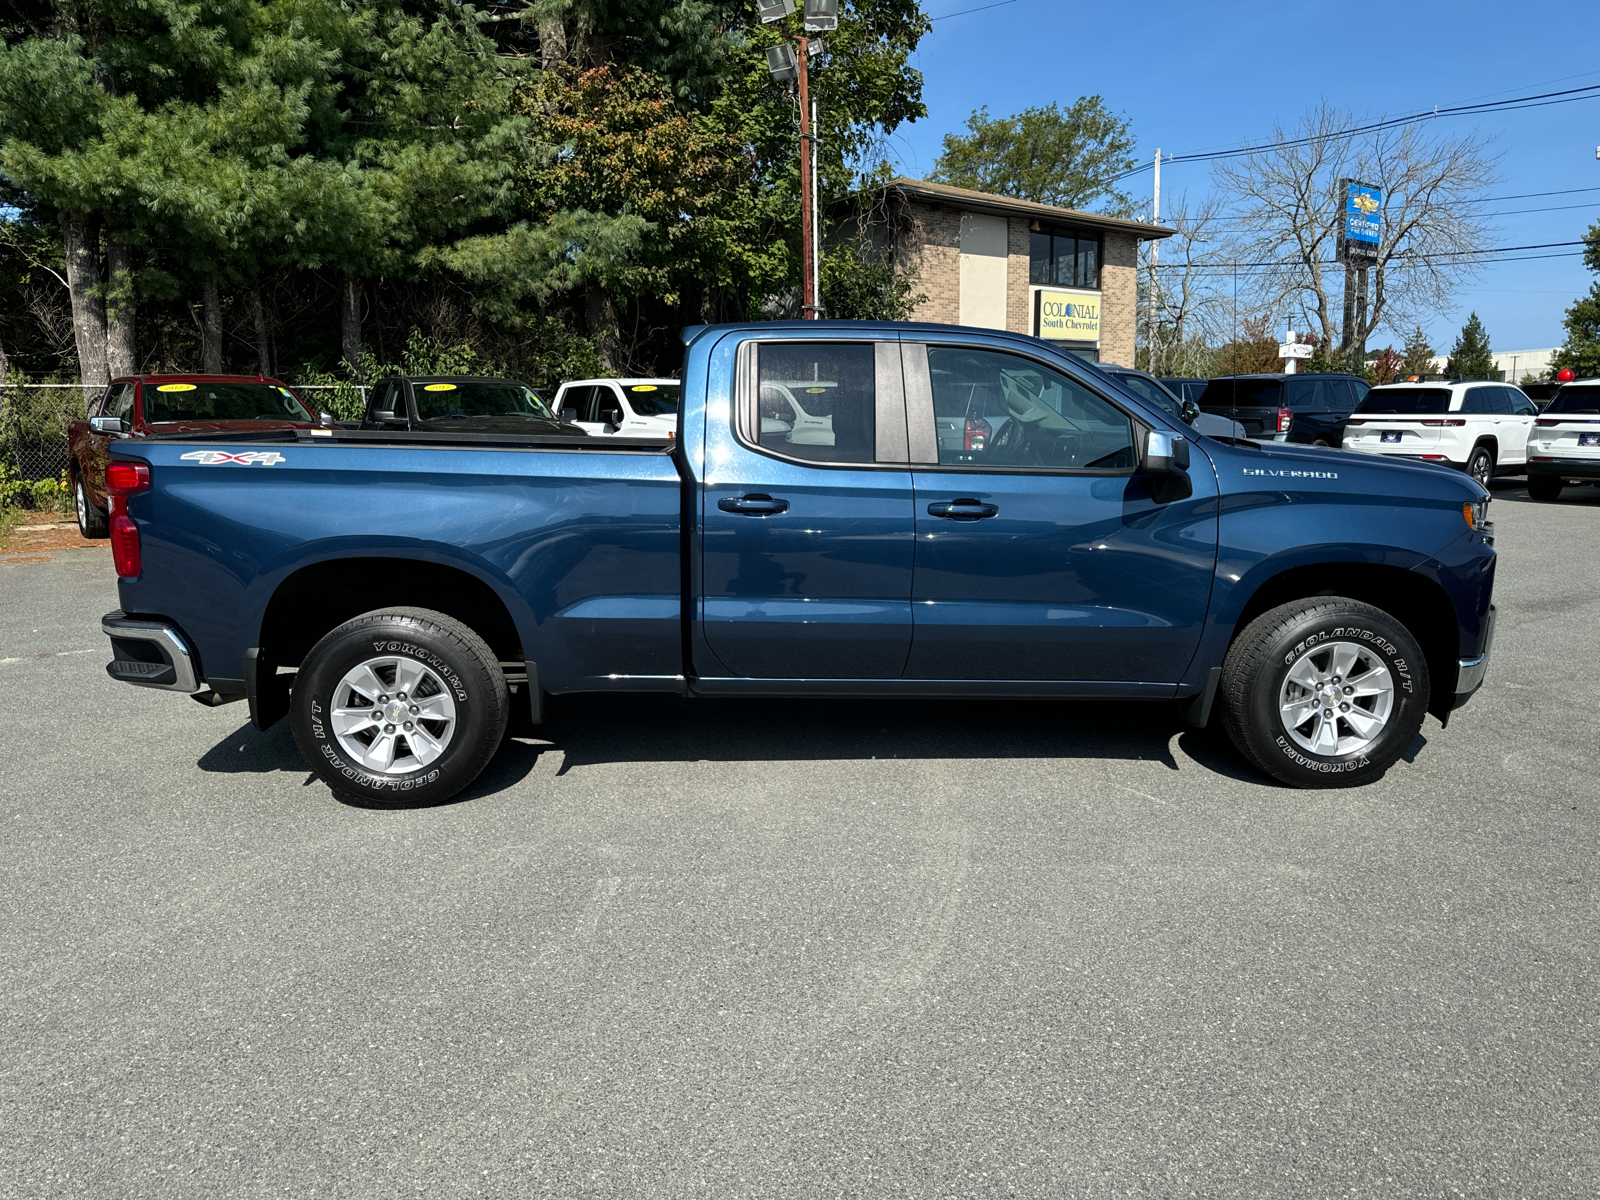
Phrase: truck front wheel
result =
(404, 706)
(1324, 692)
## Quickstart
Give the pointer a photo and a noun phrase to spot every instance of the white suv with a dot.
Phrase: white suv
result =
(1479, 428)
(1566, 440)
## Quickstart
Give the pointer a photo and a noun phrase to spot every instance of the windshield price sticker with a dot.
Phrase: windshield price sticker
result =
(214, 458)
(176, 387)
(643, 387)
(438, 387)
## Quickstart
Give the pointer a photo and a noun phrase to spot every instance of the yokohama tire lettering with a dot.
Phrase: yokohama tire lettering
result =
(1318, 765)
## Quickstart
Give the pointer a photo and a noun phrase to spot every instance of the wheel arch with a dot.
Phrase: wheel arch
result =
(1417, 602)
(318, 597)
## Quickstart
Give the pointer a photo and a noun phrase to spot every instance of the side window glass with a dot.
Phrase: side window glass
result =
(121, 405)
(1502, 402)
(383, 398)
(994, 409)
(1304, 395)
(817, 400)
(1477, 402)
(610, 408)
(1522, 406)
(573, 401)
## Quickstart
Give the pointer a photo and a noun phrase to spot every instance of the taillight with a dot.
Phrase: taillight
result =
(1283, 420)
(1435, 458)
(1457, 421)
(125, 546)
(977, 434)
(123, 479)
(1547, 422)
(1356, 421)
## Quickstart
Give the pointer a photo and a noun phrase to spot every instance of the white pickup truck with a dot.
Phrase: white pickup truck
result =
(621, 407)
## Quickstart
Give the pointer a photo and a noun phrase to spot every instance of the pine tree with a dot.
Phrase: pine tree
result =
(1470, 357)
(1418, 355)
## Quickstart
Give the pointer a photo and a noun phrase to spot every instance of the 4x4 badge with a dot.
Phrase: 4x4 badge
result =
(212, 458)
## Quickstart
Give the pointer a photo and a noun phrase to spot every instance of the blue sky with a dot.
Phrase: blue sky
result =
(1196, 77)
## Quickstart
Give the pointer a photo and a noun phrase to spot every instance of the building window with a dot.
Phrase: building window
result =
(1064, 259)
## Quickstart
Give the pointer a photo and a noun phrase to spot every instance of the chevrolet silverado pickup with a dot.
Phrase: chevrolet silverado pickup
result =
(394, 592)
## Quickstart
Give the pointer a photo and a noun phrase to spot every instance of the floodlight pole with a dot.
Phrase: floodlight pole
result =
(1155, 249)
(808, 279)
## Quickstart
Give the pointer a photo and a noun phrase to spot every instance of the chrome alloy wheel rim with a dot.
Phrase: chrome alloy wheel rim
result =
(1480, 469)
(1336, 699)
(393, 715)
(82, 502)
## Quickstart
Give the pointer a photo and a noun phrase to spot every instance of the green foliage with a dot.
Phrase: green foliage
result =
(1581, 352)
(861, 285)
(40, 495)
(1418, 355)
(1068, 159)
(1470, 357)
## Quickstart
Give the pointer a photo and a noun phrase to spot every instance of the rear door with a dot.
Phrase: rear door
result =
(1516, 425)
(806, 514)
(1042, 555)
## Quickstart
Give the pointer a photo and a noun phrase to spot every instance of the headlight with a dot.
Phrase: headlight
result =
(1476, 514)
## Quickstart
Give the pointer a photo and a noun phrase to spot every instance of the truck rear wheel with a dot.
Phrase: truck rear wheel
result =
(1324, 692)
(92, 523)
(404, 706)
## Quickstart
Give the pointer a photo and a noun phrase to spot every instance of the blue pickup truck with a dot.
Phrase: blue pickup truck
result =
(825, 522)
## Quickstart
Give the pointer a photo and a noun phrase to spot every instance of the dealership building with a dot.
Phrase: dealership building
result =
(1069, 277)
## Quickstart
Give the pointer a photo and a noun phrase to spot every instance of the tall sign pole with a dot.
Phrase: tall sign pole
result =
(1360, 235)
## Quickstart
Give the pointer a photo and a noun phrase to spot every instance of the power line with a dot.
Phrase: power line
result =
(1402, 258)
(1509, 212)
(1531, 195)
(1541, 100)
(965, 11)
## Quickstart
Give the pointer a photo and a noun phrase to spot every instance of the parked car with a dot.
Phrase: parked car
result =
(1566, 440)
(477, 404)
(157, 405)
(389, 590)
(621, 407)
(1480, 428)
(1142, 383)
(1540, 393)
(1308, 409)
(1185, 387)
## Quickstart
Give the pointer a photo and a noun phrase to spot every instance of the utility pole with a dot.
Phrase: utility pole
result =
(1155, 251)
(816, 218)
(808, 283)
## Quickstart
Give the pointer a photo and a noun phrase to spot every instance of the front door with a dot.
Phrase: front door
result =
(1041, 553)
(807, 523)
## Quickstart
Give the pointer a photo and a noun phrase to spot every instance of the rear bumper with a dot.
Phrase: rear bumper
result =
(1437, 457)
(1470, 671)
(147, 652)
(1566, 468)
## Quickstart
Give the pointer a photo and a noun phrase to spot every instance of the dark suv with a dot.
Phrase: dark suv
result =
(1309, 409)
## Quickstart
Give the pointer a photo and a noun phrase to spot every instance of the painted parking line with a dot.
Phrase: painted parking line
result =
(6, 662)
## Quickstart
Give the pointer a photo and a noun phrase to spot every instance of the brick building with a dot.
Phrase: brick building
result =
(992, 261)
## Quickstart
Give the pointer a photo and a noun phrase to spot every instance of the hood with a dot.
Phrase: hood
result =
(1341, 470)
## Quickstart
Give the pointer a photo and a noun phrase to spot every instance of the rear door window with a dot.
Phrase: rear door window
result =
(1479, 401)
(818, 400)
(1243, 393)
(1306, 395)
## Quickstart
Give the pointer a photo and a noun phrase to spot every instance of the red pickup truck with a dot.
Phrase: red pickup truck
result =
(161, 405)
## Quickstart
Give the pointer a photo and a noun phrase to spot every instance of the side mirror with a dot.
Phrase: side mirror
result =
(1166, 461)
(384, 414)
(107, 425)
(569, 414)
(1191, 410)
(326, 420)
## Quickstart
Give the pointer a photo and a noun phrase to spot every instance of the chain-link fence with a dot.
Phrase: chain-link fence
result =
(33, 443)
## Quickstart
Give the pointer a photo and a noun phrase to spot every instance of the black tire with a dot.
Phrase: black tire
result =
(457, 670)
(1480, 465)
(92, 522)
(1544, 487)
(1255, 674)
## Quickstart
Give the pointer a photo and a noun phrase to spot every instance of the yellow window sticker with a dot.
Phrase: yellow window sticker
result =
(439, 387)
(815, 391)
(643, 387)
(176, 387)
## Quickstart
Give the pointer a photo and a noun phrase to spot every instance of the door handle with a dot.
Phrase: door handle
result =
(962, 510)
(754, 505)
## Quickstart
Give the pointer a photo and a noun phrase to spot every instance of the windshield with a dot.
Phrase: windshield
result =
(1153, 392)
(652, 399)
(221, 402)
(1243, 393)
(442, 399)
(1576, 398)
(1406, 401)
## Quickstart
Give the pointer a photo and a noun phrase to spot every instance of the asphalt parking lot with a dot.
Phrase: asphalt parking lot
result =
(705, 948)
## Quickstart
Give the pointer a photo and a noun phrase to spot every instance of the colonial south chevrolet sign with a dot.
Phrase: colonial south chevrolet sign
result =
(1066, 316)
